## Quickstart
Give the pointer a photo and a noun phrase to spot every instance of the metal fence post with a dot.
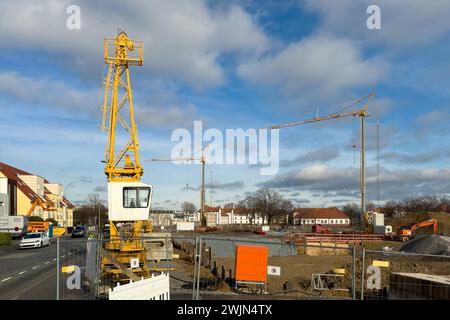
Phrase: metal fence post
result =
(167, 255)
(363, 271)
(199, 267)
(195, 269)
(57, 268)
(354, 273)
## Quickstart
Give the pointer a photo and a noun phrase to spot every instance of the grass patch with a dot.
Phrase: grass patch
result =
(5, 239)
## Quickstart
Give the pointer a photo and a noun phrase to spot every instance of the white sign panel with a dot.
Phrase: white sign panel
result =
(274, 271)
(134, 263)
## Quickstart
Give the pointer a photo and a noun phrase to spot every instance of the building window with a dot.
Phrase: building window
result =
(136, 197)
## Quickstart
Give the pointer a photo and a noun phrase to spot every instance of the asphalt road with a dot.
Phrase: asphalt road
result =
(31, 274)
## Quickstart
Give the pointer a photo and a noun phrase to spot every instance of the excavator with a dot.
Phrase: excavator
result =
(406, 233)
(38, 226)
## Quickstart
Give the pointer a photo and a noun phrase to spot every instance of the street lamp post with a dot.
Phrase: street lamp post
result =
(65, 192)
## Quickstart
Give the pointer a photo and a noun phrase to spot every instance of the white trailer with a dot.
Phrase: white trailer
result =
(16, 225)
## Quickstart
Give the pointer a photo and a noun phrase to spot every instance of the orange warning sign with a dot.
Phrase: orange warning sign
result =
(251, 263)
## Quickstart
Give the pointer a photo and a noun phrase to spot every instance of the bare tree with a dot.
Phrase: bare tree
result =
(92, 208)
(250, 206)
(188, 208)
(352, 210)
(272, 205)
(229, 205)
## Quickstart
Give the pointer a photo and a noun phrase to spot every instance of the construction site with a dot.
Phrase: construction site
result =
(378, 238)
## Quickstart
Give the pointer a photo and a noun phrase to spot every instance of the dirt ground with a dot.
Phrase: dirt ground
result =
(297, 271)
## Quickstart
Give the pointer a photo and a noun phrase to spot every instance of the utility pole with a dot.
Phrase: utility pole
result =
(202, 193)
(210, 190)
(363, 165)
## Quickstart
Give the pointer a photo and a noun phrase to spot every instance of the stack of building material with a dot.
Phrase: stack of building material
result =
(326, 248)
(158, 246)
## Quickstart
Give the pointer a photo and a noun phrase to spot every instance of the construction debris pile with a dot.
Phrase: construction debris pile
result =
(434, 244)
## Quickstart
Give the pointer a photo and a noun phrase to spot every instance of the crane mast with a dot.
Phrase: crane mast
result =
(122, 162)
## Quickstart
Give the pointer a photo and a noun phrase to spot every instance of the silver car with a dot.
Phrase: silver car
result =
(34, 240)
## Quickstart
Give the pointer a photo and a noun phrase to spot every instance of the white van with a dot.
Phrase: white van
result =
(16, 225)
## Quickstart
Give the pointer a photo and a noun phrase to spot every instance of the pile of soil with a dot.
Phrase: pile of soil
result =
(436, 245)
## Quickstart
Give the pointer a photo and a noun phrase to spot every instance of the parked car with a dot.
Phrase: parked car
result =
(34, 240)
(79, 232)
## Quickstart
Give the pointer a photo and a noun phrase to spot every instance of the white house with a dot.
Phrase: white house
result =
(324, 216)
(227, 216)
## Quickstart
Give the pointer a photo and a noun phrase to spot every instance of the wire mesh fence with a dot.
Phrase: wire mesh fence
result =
(390, 275)
(205, 268)
(211, 267)
(89, 269)
(290, 271)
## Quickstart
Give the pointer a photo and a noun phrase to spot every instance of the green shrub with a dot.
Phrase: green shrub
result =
(35, 218)
(5, 238)
(55, 223)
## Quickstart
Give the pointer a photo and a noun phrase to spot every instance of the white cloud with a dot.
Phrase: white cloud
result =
(182, 39)
(321, 64)
(48, 92)
(395, 183)
(433, 118)
(405, 23)
(166, 111)
(170, 116)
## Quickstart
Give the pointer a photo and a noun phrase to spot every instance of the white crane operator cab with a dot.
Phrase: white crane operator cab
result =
(129, 201)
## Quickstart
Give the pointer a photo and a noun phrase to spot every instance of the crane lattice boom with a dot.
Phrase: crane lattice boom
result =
(122, 164)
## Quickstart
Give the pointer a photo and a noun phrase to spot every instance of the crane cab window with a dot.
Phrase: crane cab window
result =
(136, 197)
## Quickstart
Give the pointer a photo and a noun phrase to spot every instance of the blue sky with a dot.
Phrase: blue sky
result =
(234, 64)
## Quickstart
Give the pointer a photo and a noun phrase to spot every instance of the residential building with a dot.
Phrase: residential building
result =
(227, 216)
(164, 218)
(325, 216)
(26, 190)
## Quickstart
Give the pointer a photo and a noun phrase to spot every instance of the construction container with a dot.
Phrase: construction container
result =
(378, 219)
(185, 226)
(382, 230)
(211, 220)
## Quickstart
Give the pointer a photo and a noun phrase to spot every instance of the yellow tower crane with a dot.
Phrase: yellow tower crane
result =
(362, 114)
(128, 198)
(202, 160)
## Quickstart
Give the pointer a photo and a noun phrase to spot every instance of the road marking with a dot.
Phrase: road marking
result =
(62, 256)
(22, 272)
(69, 253)
(35, 267)
(54, 259)
(6, 279)
(46, 262)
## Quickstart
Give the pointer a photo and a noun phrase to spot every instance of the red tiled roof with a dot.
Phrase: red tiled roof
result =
(319, 213)
(240, 211)
(211, 209)
(68, 203)
(12, 174)
(226, 210)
